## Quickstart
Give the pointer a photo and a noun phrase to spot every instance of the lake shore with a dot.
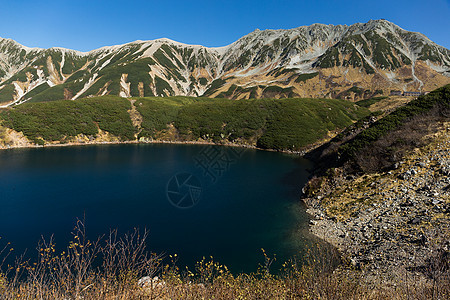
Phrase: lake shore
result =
(394, 224)
(91, 143)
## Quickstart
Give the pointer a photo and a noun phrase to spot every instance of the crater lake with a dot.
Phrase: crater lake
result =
(195, 200)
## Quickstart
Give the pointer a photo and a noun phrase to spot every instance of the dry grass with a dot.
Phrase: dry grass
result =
(111, 268)
(390, 104)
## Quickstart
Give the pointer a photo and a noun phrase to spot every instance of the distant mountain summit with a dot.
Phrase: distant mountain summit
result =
(352, 62)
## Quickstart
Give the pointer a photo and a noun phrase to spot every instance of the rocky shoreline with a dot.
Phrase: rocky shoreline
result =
(16, 140)
(395, 224)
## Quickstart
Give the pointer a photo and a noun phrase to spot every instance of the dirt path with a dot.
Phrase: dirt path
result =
(136, 117)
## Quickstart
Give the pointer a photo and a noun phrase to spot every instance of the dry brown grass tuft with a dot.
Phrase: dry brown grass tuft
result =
(115, 267)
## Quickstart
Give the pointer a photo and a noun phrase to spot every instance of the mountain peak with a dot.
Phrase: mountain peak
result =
(338, 61)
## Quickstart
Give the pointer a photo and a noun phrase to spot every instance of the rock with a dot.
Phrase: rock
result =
(406, 203)
(422, 240)
(390, 225)
(435, 201)
(414, 221)
(403, 176)
(355, 264)
(149, 282)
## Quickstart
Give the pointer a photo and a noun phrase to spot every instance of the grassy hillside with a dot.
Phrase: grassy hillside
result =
(398, 132)
(158, 112)
(284, 124)
(60, 120)
(370, 146)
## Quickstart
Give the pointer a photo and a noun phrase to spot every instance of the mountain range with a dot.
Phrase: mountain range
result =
(349, 62)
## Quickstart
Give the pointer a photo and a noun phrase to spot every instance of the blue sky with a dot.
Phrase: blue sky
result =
(87, 25)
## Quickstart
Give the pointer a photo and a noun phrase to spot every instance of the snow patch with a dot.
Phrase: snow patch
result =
(413, 66)
(151, 50)
(391, 75)
(105, 91)
(40, 73)
(63, 59)
(368, 61)
(87, 85)
(124, 86)
(220, 50)
(105, 64)
(249, 72)
(38, 81)
(19, 91)
(437, 68)
(305, 58)
(161, 72)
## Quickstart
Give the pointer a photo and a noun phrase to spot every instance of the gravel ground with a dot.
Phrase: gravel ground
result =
(392, 224)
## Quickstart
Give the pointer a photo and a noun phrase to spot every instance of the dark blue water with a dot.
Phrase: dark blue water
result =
(234, 203)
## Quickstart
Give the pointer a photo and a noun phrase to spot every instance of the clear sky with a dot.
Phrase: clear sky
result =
(89, 24)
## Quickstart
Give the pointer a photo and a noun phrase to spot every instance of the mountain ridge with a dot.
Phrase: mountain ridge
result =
(334, 61)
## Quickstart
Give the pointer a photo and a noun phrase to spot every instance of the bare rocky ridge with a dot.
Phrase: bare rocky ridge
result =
(351, 62)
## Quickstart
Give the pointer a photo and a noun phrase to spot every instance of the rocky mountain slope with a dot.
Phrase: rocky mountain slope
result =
(352, 62)
(387, 206)
(393, 221)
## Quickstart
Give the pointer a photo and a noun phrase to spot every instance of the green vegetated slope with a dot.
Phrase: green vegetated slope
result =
(368, 146)
(60, 120)
(368, 102)
(438, 99)
(283, 124)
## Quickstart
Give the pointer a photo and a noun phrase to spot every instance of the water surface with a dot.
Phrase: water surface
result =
(247, 199)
